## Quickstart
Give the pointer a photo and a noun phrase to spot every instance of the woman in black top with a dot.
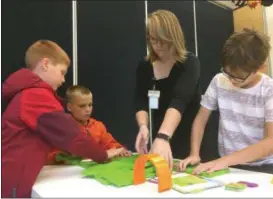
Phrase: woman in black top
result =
(172, 70)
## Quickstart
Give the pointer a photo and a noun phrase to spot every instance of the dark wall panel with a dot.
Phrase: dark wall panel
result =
(184, 12)
(214, 26)
(111, 40)
(24, 22)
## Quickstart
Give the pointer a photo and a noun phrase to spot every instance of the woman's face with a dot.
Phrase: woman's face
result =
(160, 47)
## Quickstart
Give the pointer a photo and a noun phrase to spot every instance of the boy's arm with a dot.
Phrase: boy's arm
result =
(198, 129)
(264, 147)
(43, 113)
(106, 139)
(251, 153)
(254, 152)
(208, 104)
(51, 158)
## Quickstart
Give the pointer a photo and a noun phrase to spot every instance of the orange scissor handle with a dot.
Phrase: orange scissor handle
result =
(163, 171)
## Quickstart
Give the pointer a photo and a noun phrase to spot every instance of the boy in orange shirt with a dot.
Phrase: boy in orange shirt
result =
(80, 105)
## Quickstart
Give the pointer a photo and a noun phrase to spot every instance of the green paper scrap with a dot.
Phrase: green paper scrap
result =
(194, 184)
(103, 181)
(68, 158)
(235, 187)
(118, 172)
(87, 164)
(190, 169)
(188, 180)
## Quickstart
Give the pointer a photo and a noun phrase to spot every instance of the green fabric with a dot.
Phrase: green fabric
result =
(188, 180)
(190, 169)
(118, 172)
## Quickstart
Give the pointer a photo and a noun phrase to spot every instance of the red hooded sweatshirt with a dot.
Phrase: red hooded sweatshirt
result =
(98, 131)
(33, 124)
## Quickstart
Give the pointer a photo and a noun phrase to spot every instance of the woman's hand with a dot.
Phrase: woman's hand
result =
(142, 140)
(163, 148)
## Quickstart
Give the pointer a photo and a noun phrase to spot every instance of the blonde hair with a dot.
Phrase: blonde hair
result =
(165, 26)
(45, 49)
(75, 90)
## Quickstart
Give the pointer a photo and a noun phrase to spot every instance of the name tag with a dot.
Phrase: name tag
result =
(153, 99)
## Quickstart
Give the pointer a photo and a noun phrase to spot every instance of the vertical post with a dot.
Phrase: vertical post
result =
(150, 127)
(195, 28)
(75, 42)
(269, 61)
(146, 19)
(150, 110)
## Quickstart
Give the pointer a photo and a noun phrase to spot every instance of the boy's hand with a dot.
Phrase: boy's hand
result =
(191, 160)
(125, 153)
(114, 152)
(211, 166)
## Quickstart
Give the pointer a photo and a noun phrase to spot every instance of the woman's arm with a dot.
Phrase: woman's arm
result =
(183, 92)
(171, 120)
(142, 118)
(141, 100)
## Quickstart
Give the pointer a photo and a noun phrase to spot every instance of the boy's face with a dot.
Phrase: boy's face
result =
(81, 107)
(239, 78)
(54, 74)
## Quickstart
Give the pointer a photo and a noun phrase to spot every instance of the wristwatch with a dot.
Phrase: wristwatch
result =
(163, 137)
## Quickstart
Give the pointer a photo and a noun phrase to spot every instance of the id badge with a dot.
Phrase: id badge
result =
(153, 99)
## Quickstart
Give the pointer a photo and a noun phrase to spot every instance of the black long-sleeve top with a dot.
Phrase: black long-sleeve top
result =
(180, 90)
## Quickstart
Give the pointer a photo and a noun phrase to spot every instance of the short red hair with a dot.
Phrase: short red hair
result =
(45, 49)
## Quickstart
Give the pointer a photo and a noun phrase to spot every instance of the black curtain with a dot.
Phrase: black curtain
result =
(111, 41)
(214, 26)
(24, 22)
(184, 12)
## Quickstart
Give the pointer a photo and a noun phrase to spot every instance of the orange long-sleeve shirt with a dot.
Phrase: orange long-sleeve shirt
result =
(98, 131)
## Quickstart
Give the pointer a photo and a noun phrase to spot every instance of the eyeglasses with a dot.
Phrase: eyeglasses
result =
(237, 79)
(155, 41)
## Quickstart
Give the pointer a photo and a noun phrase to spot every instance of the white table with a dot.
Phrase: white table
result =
(66, 181)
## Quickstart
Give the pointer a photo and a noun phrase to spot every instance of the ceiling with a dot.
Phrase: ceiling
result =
(231, 4)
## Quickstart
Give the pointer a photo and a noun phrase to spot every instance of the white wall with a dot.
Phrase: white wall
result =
(269, 28)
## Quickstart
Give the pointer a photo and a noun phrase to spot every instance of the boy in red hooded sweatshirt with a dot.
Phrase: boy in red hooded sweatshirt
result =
(80, 105)
(34, 121)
